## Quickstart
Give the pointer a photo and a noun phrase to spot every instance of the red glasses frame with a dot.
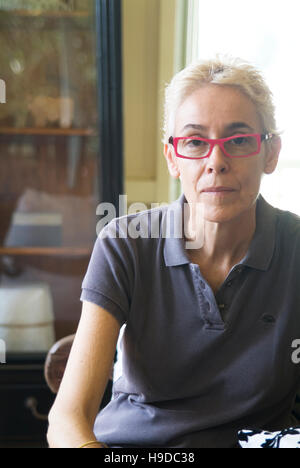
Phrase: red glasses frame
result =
(260, 137)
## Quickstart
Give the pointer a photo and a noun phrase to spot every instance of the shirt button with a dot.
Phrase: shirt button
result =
(229, 283)
(221, 306)
(268, 318)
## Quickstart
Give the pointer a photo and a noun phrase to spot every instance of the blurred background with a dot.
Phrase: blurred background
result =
(82, 124)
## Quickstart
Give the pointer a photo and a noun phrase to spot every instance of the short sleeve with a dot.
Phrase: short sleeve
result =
(108, 278)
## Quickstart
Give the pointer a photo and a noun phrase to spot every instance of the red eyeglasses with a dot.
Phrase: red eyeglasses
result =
(236, 146)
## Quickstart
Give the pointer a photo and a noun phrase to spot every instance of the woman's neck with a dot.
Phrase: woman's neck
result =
(226, 243)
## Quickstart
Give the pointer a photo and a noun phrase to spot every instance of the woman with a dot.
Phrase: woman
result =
(207, 345)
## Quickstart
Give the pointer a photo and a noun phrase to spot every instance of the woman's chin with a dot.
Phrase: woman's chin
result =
(217, 214)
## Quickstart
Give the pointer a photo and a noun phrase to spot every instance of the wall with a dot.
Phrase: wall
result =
(148, 64)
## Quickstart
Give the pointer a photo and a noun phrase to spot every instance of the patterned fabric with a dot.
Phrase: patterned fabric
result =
(288, 438)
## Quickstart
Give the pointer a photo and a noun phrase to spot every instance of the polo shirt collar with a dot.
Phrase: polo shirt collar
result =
(174, 249)
(261, 248)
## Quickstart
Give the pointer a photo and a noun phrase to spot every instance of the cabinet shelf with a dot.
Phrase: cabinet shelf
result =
(48, 131)
(46, 20)
(50, 14)
(55, 251)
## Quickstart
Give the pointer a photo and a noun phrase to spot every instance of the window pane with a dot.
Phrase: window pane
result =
(266, 34)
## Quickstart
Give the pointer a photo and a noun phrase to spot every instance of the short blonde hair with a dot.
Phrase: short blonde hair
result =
(220, 71)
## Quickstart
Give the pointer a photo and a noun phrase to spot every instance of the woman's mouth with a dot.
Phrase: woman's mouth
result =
(221, 190)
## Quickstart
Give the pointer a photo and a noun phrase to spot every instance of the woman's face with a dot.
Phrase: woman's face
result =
(215, 111)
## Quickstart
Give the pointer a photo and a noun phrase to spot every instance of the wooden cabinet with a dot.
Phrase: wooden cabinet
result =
(61, 154)
(25, 401)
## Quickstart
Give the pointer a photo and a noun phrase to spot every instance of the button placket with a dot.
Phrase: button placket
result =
(207, 301)
(227, 291)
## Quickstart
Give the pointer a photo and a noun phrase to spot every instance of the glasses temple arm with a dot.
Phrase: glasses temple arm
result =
(266, 136)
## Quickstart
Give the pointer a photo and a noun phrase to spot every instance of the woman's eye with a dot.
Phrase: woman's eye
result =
(195, 143)
(238, 141)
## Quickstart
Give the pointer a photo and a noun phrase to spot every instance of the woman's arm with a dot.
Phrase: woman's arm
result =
(72, 416)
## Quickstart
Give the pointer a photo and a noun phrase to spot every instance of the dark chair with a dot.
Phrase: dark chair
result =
(56, 362)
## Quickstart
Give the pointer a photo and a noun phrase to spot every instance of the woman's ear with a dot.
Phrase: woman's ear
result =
(171, 161)
(272, 154)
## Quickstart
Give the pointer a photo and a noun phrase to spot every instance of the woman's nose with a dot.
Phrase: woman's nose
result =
(217, 162)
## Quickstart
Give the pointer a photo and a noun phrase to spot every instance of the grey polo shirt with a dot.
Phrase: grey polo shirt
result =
(197, 366)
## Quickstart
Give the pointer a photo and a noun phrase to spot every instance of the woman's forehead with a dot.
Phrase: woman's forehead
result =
(217, 106)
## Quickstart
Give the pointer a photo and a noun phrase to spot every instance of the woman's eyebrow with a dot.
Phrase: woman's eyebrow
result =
(229, 127)
(239, 125)
(194, 127)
